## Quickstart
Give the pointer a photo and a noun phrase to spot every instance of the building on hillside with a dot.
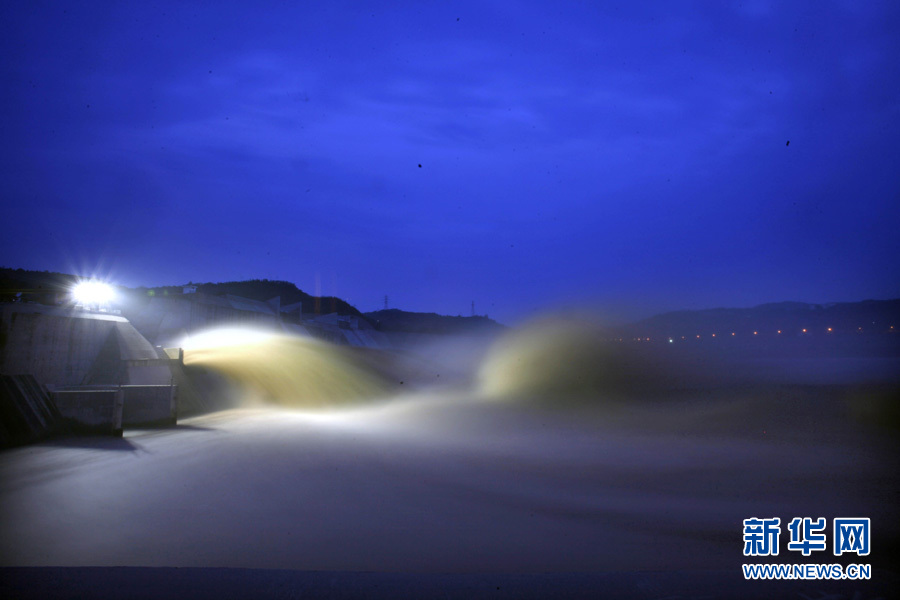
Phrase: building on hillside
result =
(166, 321)
(348, 330)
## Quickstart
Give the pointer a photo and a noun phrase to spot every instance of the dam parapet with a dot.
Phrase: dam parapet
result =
(73, 371)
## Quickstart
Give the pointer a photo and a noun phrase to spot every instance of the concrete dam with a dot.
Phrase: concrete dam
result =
(70, 370)
(67, 370)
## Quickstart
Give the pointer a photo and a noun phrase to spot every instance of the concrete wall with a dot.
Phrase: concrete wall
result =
(148, 405)
(105, 410)
(64, 347)
(202, 390)
(53, 344)
(96, 410)
(26, 411)
(150, 371)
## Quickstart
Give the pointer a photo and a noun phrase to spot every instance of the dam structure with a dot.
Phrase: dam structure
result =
(70, 369)
(79, 371)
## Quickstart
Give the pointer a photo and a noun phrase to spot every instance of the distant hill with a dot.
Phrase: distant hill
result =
(868, 316)
(265, 289)
(45, 286)
(412, 322)
(37, 286)
(791, 318)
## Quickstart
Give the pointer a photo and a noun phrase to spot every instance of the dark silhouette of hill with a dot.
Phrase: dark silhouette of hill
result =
(45, 286)
(413, 322)
(37, 286)
(264, 290)
(790, 318)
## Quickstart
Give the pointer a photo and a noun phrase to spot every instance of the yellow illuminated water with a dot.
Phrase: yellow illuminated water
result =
(558, 357)
(286, 370)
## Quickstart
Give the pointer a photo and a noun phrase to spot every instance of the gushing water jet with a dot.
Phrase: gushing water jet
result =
(286, 370)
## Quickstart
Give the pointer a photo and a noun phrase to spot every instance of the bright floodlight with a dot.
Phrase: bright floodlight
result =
(92, 293)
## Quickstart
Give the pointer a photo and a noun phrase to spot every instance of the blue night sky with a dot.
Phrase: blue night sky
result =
(629, 157)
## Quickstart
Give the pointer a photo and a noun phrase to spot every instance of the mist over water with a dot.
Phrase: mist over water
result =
(563, 358)
(551, 362)
(552, 448)
(567, 359)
